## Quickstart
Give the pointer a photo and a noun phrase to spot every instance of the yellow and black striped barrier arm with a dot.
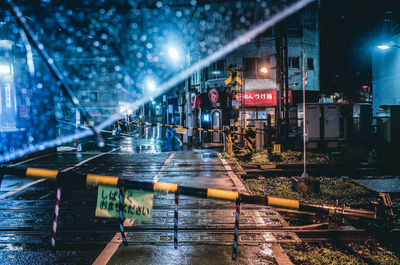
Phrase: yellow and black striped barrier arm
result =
(176, 126)
(71, 179)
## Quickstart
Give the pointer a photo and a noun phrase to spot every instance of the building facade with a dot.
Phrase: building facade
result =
(386, 74)
(208, 100)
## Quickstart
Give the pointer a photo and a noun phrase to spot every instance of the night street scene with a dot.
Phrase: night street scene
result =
(200, 132)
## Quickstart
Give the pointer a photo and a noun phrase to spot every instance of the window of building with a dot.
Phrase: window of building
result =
(216, 70)
(310, 64)
(294, 62)
(249, 65)
(252, 67)
(88, 96)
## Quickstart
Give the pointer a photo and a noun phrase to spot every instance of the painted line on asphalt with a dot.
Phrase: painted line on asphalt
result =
(276, 249)
(22, 162)
(164, 168)
(64, 170)
(258, 220)
(90, 158)
(235, 179)
(116, 241)
(21, 188)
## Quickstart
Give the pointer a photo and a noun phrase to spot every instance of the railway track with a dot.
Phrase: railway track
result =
(328, 171)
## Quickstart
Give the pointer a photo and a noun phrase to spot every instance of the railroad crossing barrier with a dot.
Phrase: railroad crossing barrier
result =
(232, 136)
(71, 179)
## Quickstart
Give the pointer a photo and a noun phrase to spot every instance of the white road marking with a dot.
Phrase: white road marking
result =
(116, 241)
(235, 179)
(21, 188)
(258, 220)
(40, 180)
(87, 160)
(22, 162)
(162, 170)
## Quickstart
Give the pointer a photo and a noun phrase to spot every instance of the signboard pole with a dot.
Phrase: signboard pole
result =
(121, 211)
(304, 113)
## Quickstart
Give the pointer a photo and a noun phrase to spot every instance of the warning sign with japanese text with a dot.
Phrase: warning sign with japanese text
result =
(138, 204)
(181, 130)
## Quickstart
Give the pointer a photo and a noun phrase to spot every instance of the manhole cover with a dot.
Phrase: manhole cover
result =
(165, 238)
(210, 155)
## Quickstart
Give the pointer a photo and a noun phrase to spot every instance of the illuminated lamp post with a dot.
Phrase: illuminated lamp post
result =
(387, 46)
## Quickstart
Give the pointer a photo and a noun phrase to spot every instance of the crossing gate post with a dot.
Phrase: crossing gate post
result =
(121, 185)
(56, 213)
(176, 220)
(228, 141)
(236, 233)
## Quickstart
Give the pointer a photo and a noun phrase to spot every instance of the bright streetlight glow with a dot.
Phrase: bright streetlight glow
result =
(264, 70)
(383, 47)
(173, 53)
(4, 69)
(151, 86)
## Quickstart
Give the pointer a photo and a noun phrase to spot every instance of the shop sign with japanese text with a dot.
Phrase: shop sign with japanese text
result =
(261, 98)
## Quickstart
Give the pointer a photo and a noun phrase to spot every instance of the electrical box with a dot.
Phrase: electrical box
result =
(331, 128)
(388, 124)
(362, 119)
(313, 117)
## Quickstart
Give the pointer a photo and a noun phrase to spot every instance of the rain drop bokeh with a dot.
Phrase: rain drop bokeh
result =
(112, 54)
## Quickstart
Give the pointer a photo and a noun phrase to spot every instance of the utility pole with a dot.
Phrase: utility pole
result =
(303, 84)
(286, 75)
(278, 58)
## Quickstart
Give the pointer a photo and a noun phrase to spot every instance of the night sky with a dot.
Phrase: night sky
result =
(350, 31)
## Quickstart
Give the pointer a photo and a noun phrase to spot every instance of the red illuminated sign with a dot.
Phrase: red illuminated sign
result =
(261, 98)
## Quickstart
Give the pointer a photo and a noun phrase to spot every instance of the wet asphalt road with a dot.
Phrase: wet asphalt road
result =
(206, 226)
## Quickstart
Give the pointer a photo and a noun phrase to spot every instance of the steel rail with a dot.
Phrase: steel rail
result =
(327, 172)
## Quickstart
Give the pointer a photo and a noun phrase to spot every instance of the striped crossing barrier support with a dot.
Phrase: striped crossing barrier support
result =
(56, 213)
(236, 233)
(171, 126)
(74, 178)
(121, 211)
(236, 133)
(176, 220)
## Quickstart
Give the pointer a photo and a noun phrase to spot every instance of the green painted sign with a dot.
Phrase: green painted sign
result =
(138, 204)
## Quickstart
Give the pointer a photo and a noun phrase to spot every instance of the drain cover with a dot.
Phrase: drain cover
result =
(209, 155)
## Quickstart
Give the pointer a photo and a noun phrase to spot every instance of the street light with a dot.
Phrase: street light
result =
(387, 46)
(383, 47)
(264, 70)
(5, 69)
(151, 86)
(173, 53)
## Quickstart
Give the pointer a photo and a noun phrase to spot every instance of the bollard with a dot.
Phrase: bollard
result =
(176, 220)
(236, 233)
(55, 221)
(121, 211)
